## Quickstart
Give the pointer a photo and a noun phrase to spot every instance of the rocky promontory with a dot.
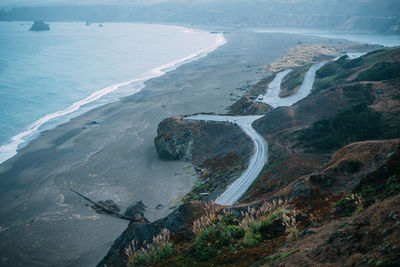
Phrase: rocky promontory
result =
(178, 139)
(219, 151)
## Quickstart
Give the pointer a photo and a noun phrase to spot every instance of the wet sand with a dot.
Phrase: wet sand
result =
(42, 223)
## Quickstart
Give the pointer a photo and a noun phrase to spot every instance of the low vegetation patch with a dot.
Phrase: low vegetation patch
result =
(324, 181)
(348, 206)
(218, 232)
(352, 124)
(380, 71)
(149, 253)
(294, 79)
(366, 68)
(389, 187)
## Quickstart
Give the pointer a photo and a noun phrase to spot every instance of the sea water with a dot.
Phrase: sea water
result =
(388, 40)
(48, 77)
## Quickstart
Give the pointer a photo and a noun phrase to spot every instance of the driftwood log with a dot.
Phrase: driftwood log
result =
(107, 210)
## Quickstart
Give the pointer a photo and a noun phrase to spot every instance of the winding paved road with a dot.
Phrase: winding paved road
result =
(260, 156)
(257, 160)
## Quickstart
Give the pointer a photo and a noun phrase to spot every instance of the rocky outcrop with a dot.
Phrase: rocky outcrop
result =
(178, 139)
(219, 151)
(174, 140)
(39, 26)
(178, 221)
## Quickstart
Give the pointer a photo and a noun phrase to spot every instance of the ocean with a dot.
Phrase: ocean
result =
(388, 40)
(48, 77)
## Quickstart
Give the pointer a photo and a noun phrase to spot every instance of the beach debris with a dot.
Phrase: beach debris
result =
(110, 204)
(106, 210)
(159, 206)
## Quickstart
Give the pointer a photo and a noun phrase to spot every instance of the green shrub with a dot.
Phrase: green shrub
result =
(322, 84)
(325, 181)
(349, 205)
(229, 233)
(368, 191)
(392, 187)
(159, 249)
(380, 71)
(390, 262)
(224, 233)
(391, 125)
(251, 239)
(350, 166)
(327, 70)
(204, 251)
(229, 219)
(359, 93)
(356, 123)
(295, 78)
(217, 232)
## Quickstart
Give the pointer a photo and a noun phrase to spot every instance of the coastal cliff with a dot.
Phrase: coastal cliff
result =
(329, 194)
(174, 140)
(219, 152)
(178, 139)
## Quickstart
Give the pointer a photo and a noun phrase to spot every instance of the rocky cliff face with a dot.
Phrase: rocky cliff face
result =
(178, 223)
(178, 139)
(174, 140)
(219, 152)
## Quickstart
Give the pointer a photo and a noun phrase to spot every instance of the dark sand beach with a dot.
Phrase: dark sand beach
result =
(43, 223)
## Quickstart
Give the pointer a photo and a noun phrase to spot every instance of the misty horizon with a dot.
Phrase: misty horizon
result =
(199, 133)
(352, 15)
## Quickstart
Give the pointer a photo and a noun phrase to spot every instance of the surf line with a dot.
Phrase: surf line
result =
(10, 148)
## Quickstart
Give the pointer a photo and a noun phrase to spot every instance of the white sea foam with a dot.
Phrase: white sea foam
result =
(10, 148)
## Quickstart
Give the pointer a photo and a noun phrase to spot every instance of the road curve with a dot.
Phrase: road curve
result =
(272, 96)
(257, 161)
(260, 156)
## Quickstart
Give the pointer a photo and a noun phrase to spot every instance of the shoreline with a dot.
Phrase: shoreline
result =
(116, 158)
(11, 147)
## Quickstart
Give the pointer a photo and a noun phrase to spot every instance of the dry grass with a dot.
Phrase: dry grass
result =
(160, 248)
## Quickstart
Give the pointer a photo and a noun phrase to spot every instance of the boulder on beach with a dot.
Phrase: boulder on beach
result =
(39, 25)
(135, 209)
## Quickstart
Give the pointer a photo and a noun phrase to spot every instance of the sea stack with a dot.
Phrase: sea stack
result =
(39, 26)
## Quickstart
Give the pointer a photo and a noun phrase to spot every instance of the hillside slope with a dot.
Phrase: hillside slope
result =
(329, 195)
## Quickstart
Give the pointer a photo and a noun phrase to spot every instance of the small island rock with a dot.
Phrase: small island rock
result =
(39, 26)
